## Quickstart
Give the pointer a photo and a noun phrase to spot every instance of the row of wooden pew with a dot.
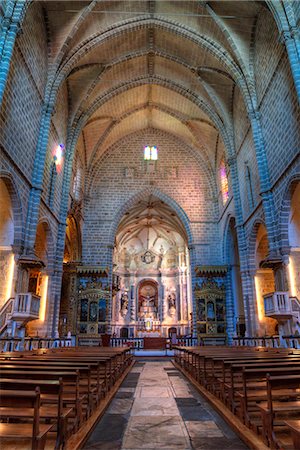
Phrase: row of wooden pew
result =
(48, 395)
(260, 386)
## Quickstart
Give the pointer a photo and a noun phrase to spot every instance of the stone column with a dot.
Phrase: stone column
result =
(265, 184)
(242, 248)
(10, 26)
(292, 42)
(37, 181)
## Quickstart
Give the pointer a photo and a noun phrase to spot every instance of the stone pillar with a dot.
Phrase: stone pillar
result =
(192, 259)
(247, 286)
(229, 307)
(265, 184)
(10, 26)
(292, 42)
(132, 303)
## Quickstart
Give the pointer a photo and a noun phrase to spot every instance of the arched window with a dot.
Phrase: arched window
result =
(224, 182)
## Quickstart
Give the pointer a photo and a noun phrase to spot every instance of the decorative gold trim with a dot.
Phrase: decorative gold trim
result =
(207, 270)
(93, 270)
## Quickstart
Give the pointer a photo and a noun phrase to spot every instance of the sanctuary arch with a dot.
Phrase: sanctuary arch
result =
(151, 261)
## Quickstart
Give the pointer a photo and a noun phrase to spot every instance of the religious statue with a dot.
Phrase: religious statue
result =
(147, 308)
(172, 304)
(124, 304)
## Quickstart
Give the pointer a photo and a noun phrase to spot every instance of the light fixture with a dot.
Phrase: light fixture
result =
(58, 154)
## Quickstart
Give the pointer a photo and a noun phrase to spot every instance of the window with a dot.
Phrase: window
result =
(150, 153)
(224, 182)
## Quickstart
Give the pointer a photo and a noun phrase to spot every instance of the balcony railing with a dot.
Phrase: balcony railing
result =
(26, 307)
(278, 305)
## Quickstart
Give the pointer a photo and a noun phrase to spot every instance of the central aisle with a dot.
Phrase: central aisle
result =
(157, 408)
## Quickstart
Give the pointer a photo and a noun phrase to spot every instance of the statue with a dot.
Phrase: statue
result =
(172, 304)
(124, 304)
(147, 308)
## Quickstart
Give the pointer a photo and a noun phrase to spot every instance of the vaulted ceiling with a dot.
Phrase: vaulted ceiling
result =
(168, 65)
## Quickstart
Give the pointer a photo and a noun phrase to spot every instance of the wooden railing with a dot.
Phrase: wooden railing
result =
(11, 344)
(138, 343)
(263, 341)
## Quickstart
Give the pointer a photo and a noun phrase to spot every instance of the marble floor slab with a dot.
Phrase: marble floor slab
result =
(153, 391)
(156, 408)
(163, 432)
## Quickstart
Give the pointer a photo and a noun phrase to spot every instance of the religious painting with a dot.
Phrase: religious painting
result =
(83, 328)
(210, 311)
(93, 312)
(101, 328)
(84, 310)
(202, 328)
(102, 310)
(201, 310)
(220, 309)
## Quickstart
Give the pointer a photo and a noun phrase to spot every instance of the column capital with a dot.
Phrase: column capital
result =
(48, 107)
(7, 22)
(289, 35)
(231, 160)
(255, 114)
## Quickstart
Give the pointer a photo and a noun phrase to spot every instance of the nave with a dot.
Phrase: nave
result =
(156, 407)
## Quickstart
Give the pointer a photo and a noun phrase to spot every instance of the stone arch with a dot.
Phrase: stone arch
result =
(163, 197)
(73, 239)
(252, 243)
(285, 211)
(234, 296)
(200, 158)
(44, 244)
(16, 208)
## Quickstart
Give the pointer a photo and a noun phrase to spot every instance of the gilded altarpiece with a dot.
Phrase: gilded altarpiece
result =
(210, 298)
(93, 296)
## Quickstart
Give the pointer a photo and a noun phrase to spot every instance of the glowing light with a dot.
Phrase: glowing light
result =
(224, 182)
(58, 155)
(150, 153)
(292, 278)
(154, 153)
(147, 153)
(259, 299)
(43, 301)
(10, 276)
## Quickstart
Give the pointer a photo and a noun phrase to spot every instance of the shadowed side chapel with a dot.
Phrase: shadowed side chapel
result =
(149, 224)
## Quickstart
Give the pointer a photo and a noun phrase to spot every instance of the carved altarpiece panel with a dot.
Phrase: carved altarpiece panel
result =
(210, 298)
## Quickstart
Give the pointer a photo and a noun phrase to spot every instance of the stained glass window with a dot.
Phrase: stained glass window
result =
(224, 182)
(150, 153)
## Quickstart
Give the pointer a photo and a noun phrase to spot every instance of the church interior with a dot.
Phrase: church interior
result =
(149, 224)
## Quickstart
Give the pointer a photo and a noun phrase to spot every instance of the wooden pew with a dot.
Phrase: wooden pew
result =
(294, 427)
(31, 430)
(283, 398)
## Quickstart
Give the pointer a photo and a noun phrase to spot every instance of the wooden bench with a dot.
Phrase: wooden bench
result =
(283, 398)
(294, 426)
(31, 430)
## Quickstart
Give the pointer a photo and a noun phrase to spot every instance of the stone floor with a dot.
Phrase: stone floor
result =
(157, 408)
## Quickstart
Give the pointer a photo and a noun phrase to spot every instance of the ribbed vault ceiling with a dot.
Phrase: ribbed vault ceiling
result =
(168, 65)
(154, 215)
